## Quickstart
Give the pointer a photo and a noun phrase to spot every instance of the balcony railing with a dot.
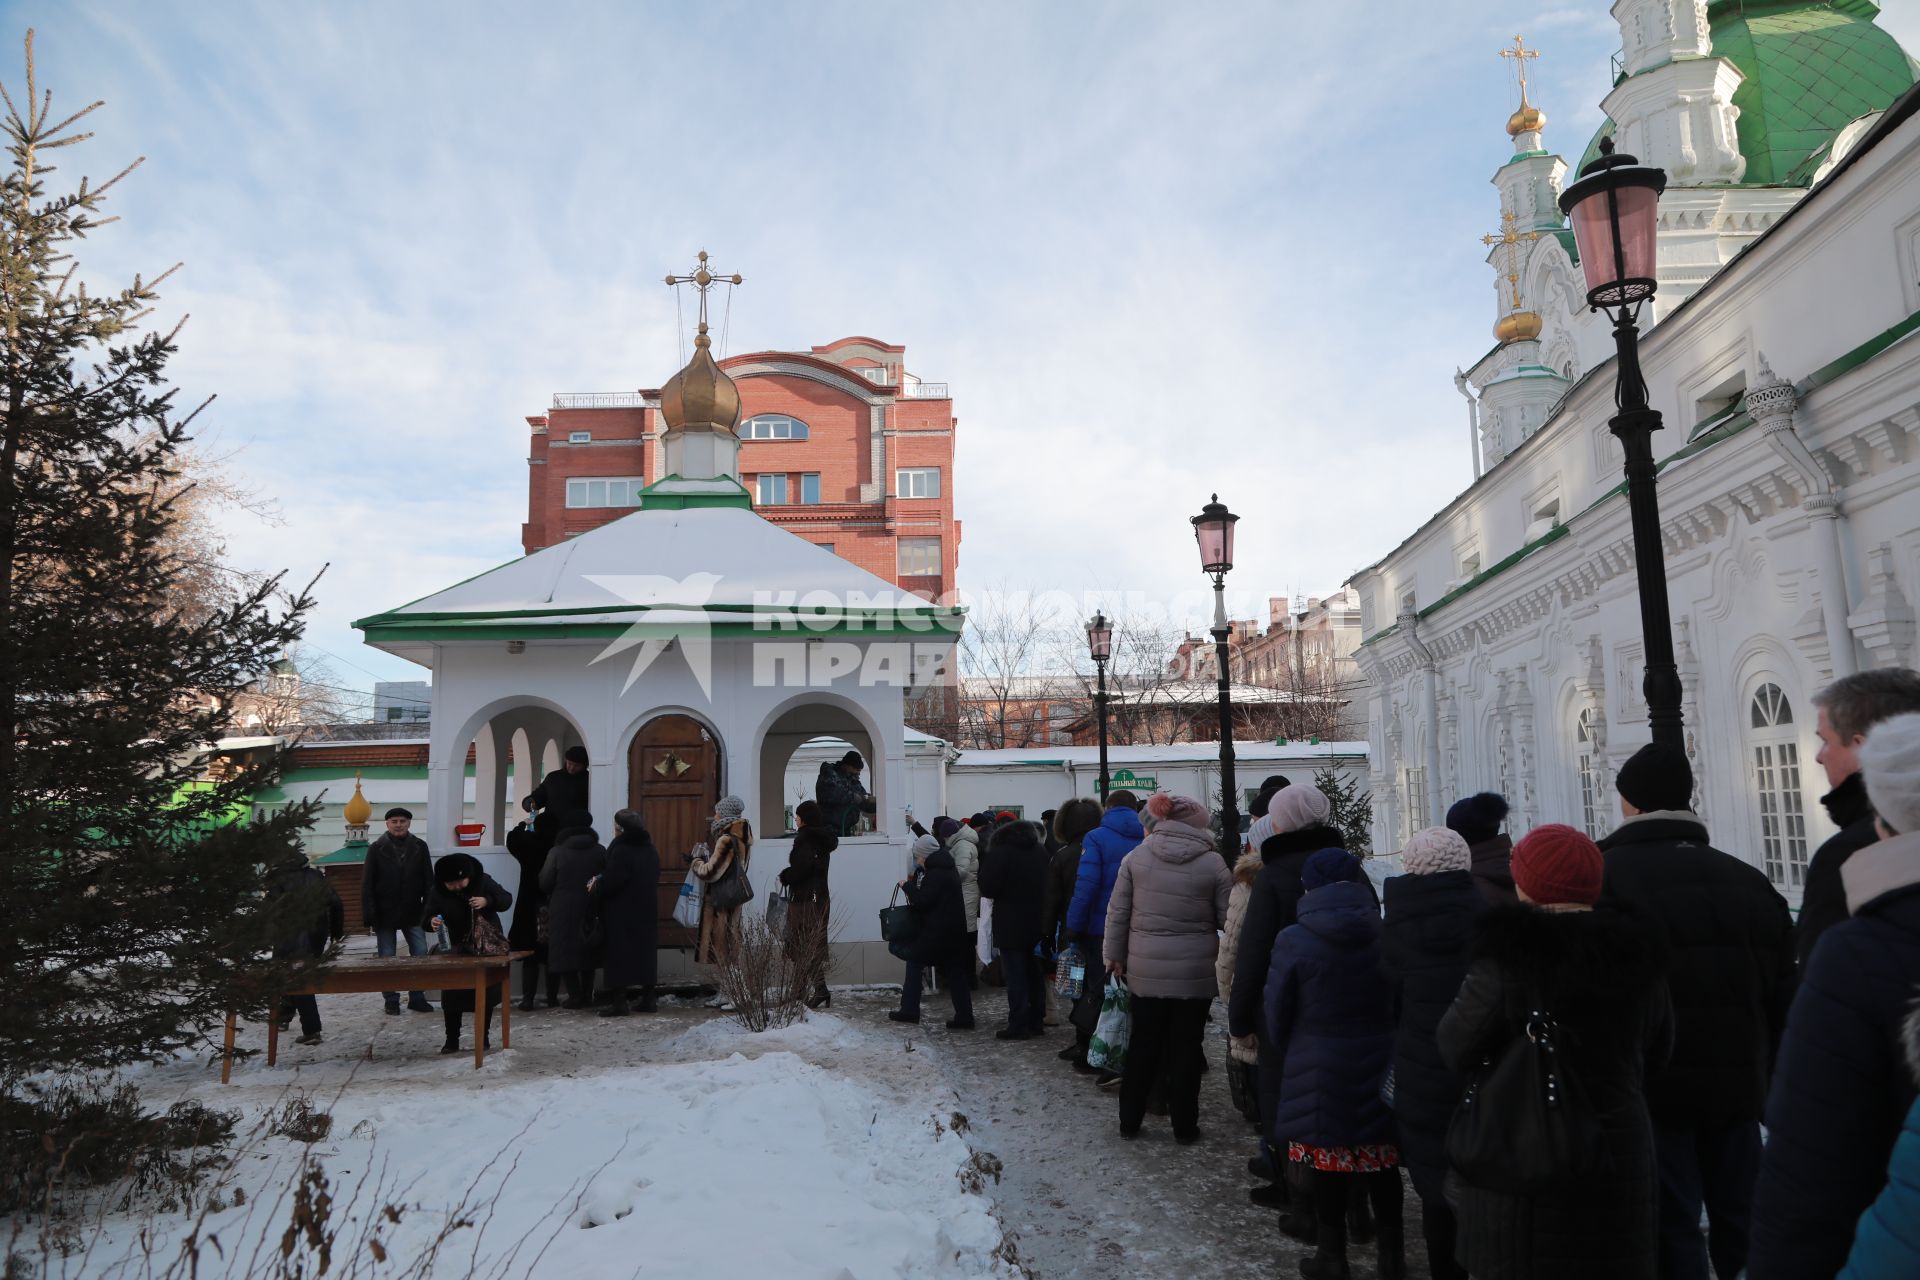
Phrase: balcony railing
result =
(598, 400)
(926, 391)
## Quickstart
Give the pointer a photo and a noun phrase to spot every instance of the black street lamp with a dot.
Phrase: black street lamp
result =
(1100, 646)
(1615, 209)
(1213, 530)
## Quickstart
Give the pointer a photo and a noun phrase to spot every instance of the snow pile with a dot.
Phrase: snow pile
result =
(712, 1164)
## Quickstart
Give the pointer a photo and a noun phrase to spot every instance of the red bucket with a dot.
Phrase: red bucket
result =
(468, 833)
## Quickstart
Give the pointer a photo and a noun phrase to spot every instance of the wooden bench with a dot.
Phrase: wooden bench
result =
(402, 973)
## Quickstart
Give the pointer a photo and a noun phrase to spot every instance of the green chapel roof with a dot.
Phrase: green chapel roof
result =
(1811, 68)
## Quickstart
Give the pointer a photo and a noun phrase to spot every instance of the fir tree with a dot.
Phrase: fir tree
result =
(130, 872)
(1351, 810)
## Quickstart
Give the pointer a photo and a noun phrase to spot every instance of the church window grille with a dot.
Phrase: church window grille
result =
(1416, 778)
(1592, 798)
(1775, 753)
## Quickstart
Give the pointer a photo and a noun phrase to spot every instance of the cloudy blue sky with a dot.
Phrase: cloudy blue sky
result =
(1157, 250)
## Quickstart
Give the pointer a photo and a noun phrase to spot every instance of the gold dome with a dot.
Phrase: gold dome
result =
(1528, 119)
(700, 394)
(357, 811)
(1518, 326)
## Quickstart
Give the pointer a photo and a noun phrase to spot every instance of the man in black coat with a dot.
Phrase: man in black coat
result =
(560, 793)
(627, 898)
(1841, 1090)
(939, 935)
(319, 919)
(1731, 976)
(393, 894)
(1848, 708)
(1013, 872)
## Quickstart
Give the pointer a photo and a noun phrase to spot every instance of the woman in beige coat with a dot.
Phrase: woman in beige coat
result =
(1163, 935)
(729, 841)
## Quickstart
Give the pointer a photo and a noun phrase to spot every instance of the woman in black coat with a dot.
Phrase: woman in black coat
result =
(1598, 972)
(626, 898)
(810, 909)
(1429, 932)
(462, 893)
(576, 859)
(1013, 873)
(939, 934)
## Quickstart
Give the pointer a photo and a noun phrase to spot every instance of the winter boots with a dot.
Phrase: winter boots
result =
(618, 1007)
(1298, 1221)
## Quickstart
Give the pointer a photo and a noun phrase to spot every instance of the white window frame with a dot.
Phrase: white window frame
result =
(1593, 801)
(810, 480)
(910, 561)
(916, 482)
(580, 492)
(770, 489)
(579, 437)
(773, 426)
(1774, 765)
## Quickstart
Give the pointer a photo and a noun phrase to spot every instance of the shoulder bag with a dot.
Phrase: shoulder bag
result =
(896, 920)
(732, 889)
(1525, 1123)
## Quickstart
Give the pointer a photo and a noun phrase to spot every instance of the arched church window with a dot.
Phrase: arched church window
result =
(1773, 745)
(1592, 799)
(772, 426)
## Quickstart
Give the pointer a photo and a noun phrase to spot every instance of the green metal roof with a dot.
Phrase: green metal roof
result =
(1811, 69)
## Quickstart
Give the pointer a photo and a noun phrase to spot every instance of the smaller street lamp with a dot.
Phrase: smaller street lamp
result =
(1100, 647)
(1615, 210)
(1213, 531)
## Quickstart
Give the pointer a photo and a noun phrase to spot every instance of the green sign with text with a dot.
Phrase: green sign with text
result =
(1128, 780)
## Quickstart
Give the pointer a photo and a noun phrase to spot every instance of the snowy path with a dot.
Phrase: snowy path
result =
(1079, 1200)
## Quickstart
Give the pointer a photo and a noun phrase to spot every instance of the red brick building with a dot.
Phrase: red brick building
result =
(842, 446)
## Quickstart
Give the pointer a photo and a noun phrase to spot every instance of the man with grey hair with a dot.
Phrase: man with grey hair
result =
(1848, 708)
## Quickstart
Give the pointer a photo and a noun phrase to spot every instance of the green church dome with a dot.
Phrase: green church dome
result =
(1811, 69)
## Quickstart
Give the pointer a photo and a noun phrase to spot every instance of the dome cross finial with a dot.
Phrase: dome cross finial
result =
(702, 278)
(1529, 118)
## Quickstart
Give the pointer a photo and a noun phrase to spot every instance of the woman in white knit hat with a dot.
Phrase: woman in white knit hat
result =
(729, 850)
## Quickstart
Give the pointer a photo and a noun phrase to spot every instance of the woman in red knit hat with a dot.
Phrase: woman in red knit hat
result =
(1591, 978)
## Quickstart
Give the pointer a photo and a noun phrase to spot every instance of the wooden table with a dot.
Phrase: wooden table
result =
(402, 973)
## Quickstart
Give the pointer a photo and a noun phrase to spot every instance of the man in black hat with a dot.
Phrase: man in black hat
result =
(561, 792)
(393, 895)
(840, 795)
(1731, 975)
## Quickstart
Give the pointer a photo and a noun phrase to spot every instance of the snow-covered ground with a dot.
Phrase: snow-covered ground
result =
(668, 1145)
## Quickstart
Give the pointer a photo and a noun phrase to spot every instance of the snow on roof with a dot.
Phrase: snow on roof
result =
(697, 557)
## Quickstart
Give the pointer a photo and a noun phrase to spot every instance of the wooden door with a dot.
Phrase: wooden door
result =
(673, 771)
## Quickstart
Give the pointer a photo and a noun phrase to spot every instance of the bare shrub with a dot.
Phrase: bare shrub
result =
(89, 1133)
(767, 977)
(298, 1120)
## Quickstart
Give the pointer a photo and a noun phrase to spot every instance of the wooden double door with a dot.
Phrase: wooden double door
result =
(673, 782)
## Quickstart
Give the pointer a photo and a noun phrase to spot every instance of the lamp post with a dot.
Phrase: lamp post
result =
(1100, 646)
(1615, 209)
(1213, 530)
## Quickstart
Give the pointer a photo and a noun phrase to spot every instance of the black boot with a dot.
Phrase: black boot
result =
(451, 1018)
(486, 1029)
(529, 979)
(553, 988)
(1390, 1249)
(1297, 1220)
(618, 1008)
(1329, 1260)
(646, 1002)
(1359, 1220)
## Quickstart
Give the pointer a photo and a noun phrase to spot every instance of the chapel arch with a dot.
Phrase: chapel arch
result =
(812, 718)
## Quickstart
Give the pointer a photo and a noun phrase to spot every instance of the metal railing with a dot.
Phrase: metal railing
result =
(926, 391)
(598, 400)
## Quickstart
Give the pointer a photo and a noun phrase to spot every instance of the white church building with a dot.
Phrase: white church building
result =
(1503, 641)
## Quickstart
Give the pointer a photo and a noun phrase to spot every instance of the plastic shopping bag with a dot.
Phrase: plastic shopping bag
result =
(1069, 973)
(686, 912)
(983, 947)
(1109, 1046)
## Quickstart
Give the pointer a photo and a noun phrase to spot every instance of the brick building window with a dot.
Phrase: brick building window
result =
(810, 488)
(917, 482)
(919, 557)
(770, 491)
(772, 426)
(605, 491)
(579, 437)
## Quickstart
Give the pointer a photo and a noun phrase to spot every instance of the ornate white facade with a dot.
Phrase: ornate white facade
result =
(1503, 636)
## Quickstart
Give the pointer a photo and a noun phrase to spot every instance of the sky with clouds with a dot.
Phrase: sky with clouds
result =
(1156, 249)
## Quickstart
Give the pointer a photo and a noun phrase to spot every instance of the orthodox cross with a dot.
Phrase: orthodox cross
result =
(1520, 53)
(702, 279)
(1512, 240)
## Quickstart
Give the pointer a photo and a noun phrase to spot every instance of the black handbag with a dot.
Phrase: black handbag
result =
(1525, 1124)
(896, 920)
(732, 889)
(1243, 1087)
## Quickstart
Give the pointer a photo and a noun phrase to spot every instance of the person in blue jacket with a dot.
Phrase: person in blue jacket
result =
(1886, 1246)
(1101, 852)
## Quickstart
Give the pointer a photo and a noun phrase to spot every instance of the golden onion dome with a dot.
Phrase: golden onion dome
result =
(702, 393)
(357, 811)
(1518, 326)
(1528, 119)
